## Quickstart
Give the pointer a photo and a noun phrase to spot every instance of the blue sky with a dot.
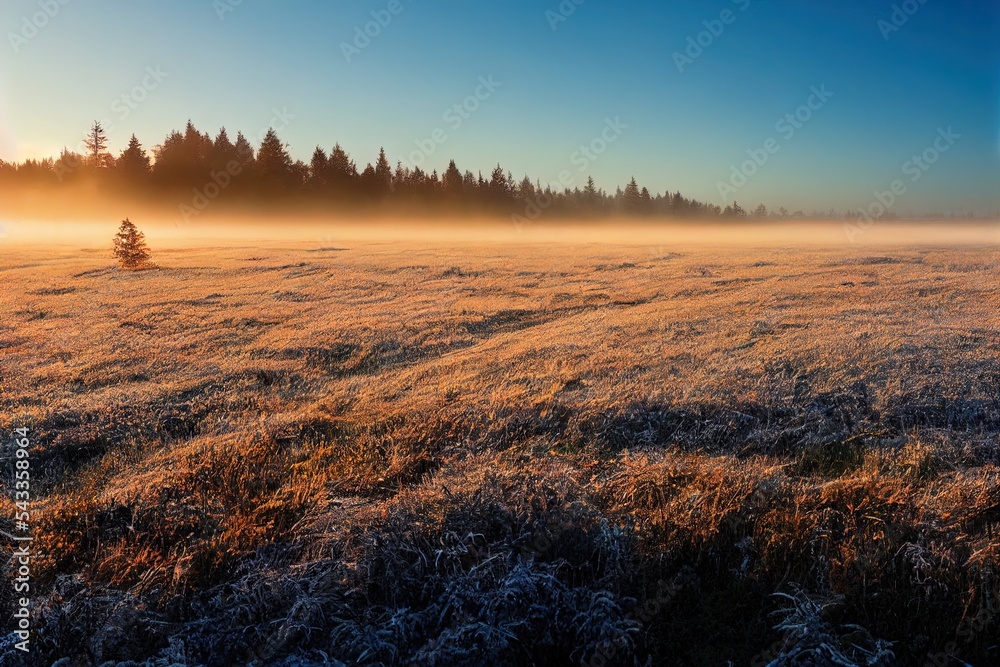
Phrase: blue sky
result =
(234, 63)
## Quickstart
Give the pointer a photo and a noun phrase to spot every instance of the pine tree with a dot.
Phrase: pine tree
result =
(500, 185)
(401, 175)
(274, 164)
(96, 143)
(133, 162)
(243, 150)
(319, 168)
(526, 190)
(342, 170)
(298, 175)
(67, 164)
(453, 182)
(223, 151)
(197, 145)
(631, 198)
(130, 246)
(368, 180)
(383, 171)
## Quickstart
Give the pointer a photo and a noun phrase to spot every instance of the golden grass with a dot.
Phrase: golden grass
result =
(404, 452)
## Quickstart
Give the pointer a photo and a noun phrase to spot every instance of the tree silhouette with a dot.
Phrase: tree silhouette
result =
(500, 186)
(223, 151)
(130, 246)
(632, 198)
(169, 167)
(342, 171)
(526, 189)
(96, 143)
(197, 149)
(645, 201)
(734, 211)
(189, 164)
(453, 182)
(244, 151)
(383, 172)
(319, 169)
(274, 164)
(133, 162)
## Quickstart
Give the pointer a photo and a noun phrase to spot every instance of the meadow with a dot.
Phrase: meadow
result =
(439, 453)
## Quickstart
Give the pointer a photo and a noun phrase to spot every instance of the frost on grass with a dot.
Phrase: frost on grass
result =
(373, 458)
(809, 637)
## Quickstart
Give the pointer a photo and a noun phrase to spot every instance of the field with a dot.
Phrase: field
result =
(374, 452)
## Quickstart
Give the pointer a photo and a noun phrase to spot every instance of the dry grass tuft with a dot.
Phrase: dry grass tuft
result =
(433, 455)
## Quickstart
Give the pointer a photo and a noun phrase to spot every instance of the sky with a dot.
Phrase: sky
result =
(683, 95)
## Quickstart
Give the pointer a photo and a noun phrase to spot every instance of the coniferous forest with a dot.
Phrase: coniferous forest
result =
(191, 171)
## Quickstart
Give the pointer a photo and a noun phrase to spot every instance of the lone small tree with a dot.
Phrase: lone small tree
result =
(130, 246)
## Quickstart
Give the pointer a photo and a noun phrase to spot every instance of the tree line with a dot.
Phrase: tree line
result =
(190, 163)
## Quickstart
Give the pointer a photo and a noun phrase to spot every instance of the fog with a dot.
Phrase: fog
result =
(314, 231)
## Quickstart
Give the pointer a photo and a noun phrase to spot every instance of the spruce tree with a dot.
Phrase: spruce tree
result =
(453, 183)
(223, 151)
(130, 246)
(274, 164)
(631, 198)
(133, 162)
(319, 169)
(244, 151)
(383, 172)
(96, 143)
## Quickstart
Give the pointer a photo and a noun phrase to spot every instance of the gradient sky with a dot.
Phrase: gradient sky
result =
(686, 129)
